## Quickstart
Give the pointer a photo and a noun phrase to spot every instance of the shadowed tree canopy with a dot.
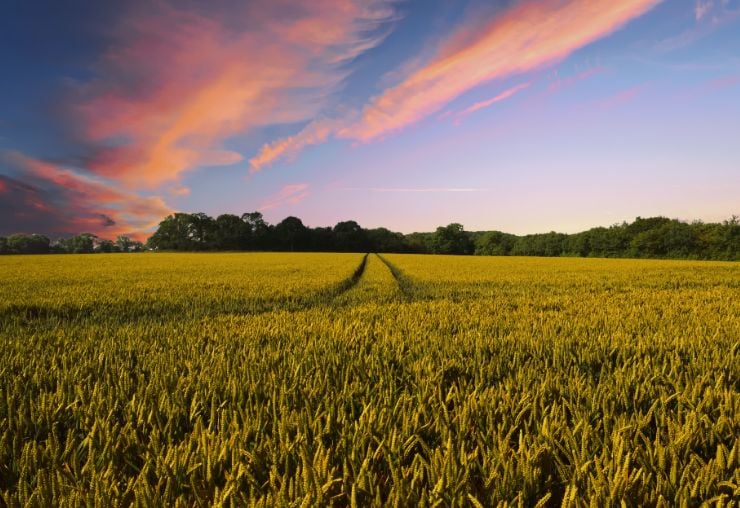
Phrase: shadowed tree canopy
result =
(350, 237)
(290, 234)
(654, 237)
(232, 233)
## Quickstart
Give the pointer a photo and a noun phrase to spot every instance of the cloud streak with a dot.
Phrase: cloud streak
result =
(525, 38)
(622, 97)
(291, 194)
(289, 148)
(493, 100)
(178, 82)
(417, 189)
(561, 83)
(702, 8)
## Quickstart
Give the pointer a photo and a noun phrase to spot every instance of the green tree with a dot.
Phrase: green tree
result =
(202, 230)
(452, 239)
(27, 244)
(232, 233)
(259, 230)
(385, 240)
(670, 238)
(349, 237)
(175, 232)
(420, 243)
(494, 243)
(290, 234)
(321, 239)
(80, 244)
(106, 246)
(124, 243)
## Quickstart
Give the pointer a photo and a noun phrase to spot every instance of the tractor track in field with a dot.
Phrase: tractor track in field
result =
(353, 279)
(124, 312)
(404, 283)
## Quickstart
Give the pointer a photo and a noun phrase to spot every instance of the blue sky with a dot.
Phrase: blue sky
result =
(521, 116)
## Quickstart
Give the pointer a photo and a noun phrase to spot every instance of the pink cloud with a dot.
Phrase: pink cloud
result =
(531, 35)
(702, 8)
(419, 189)
(180, 190)
(723, 82)
(288, 148)
(493, 100)
(576, 78)
(709, 87)
(710, 15)
(290, 194)
(621, 98)
(178, 82)
(715, 12)
(81, 203)
(527, 37)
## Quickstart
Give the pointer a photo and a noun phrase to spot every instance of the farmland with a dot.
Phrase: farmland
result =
(345, 379)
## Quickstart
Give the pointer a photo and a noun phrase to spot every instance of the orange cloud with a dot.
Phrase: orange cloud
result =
(177, 83)
(531, 35)
(80, 203)
(493, 100)
(180, 190)
(527, 37)
(289, 194)
(288, 148)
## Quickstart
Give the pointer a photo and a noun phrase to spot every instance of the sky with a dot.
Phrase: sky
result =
(524, 116)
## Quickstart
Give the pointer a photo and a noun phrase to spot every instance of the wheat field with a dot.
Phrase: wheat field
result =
(364, 380)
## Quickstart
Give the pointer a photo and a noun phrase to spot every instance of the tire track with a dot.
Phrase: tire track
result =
(131, 312)
(404, 283)
(350, 282)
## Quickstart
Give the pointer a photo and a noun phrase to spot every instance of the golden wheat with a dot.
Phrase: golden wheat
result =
(338, 379)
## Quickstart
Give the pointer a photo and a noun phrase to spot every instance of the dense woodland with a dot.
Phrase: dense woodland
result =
(654, 237)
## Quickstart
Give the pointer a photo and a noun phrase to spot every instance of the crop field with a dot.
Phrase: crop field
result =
(353, 380)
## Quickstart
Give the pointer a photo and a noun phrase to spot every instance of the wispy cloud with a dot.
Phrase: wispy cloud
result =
(493, 100)
(291, 194)
(710, 15)
(288, 148)
(560, 83)
(417, 189)
(526, 37)
(702, 8)
(179, 190)
(63, 201)
(723, 82)
(708, 87)
(621, 98)
(177, 82)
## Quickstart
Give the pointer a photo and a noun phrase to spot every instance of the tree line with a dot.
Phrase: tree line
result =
(84, 243)
(654, 237)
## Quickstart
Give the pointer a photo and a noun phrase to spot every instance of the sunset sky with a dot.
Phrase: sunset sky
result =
(523, 116)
